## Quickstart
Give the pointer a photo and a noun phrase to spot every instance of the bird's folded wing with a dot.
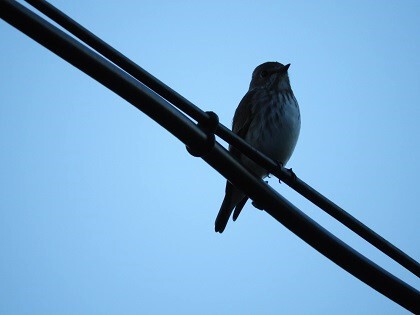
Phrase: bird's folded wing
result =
(244, 115)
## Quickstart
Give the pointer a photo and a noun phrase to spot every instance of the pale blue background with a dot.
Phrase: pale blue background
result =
(104, 212)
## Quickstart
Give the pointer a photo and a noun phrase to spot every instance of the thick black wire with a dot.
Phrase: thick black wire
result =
(200, 116)
(185, 130)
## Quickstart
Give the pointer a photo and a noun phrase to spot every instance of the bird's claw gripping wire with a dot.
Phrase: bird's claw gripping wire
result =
(288, 170)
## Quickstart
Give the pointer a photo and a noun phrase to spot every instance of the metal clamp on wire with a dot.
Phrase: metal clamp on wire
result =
(209, 127)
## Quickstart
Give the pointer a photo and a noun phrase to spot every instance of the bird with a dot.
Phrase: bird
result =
(267, 118)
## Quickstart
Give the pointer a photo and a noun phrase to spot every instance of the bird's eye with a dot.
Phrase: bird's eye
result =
(263, 74)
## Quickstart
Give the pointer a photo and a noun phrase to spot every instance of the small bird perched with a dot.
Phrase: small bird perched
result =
(268, 118)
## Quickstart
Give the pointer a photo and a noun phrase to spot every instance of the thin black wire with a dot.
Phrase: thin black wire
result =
(185, 130)
(200, 116)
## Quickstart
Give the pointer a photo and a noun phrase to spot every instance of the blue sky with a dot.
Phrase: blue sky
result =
(104, 212)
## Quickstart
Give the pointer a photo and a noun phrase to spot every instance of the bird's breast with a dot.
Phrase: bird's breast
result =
(275, 128)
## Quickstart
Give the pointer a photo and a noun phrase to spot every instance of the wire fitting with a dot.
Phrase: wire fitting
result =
(209, 127)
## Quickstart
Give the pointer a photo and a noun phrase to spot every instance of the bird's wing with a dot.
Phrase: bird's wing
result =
(242, 119)
(234, 198)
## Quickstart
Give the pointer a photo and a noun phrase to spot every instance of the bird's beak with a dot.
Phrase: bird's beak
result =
(284, 68)
(281, 70)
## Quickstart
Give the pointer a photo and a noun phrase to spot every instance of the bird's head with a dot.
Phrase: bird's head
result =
(271, 75)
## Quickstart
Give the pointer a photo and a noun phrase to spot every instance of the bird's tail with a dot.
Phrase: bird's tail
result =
(238, 208)
(234, 198)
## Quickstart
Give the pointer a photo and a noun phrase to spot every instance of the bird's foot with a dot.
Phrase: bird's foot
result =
(288, 170)
(280, 166)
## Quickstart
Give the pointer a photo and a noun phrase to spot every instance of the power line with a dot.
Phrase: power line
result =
(202, 117)
(184, 129)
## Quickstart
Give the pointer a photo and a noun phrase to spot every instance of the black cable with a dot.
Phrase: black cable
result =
(185, 130)
(201, 117)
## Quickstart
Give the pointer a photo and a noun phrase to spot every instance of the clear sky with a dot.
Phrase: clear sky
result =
(104, 212)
